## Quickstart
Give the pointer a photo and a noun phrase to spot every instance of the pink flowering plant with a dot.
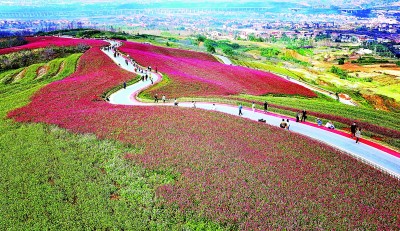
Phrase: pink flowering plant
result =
(195, 74)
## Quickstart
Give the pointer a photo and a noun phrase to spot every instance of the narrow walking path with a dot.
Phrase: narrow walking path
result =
(367, 151)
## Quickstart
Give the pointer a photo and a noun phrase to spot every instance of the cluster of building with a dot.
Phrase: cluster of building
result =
(226, 24)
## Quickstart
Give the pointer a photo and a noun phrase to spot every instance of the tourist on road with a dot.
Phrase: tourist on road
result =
(156, 98)
(124, 85)
(353, 129)
(175, 102)
(194, 104)
(283, 124)
(297, 116)
(214, 107)
(329, 125)
(163, 98)
(358, 135)
(319, 122)
(253, 107)
(240, 109)
(287, 124)
(304, 116)
(265, 106)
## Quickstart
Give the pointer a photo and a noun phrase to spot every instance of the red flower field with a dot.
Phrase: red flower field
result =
(199, 74)
(42, 42)
(242, 174)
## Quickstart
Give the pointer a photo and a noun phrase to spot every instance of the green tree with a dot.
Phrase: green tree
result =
(228, 51)
(210, 49)
(201, 38)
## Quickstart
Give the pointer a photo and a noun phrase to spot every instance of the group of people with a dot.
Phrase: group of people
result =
(355, 132)
(285, 124)
(163, 98)
(301, 116)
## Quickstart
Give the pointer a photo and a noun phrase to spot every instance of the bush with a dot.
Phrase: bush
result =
(12, 42)
(269, 52)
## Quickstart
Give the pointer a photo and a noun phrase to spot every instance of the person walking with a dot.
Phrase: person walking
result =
(283, 124)
(194, 104)
(240, 109)
(287, 124)
(214, 107)
(175, 102)
(253, 107)
(124, 85)
(163, 98)
(304, 116)
(297, 116)
(265, 106)
(156, 98)
(358, 135)
(353, 129)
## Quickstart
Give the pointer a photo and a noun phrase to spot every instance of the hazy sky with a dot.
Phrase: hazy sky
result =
(187, 2)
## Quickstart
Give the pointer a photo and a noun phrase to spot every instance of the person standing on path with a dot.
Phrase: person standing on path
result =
(287, 124)
(304, 116)
(283, 124)
(124, 85)
(358, 135)
(163, 98)
(265, 106)
(214, 107)
(156, 98)
(297, 116)
(194, 104)
(353, 129)
(240, 109)
(175, 102)
(253, 107)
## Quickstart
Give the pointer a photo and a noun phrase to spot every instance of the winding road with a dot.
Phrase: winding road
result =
(380, 157)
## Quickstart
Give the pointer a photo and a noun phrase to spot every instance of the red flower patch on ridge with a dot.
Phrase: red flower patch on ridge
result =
(198, 74)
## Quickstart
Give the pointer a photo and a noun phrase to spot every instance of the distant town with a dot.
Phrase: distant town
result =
(343, 25)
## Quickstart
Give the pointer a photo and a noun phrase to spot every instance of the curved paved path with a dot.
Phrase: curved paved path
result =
(367, 151)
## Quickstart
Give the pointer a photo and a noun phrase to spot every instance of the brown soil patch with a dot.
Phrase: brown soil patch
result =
(61, 68)
(367, 68)
(41, 71)
(381, 103)
(51, 181)
(20, 75)
(114, 196)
